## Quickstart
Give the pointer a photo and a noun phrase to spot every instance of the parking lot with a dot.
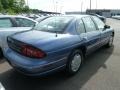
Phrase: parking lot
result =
(100, 72)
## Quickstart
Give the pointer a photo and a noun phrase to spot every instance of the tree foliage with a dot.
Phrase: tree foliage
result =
(13, 6)
(1, 6)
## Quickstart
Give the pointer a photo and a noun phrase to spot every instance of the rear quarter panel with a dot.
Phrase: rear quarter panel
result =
(61, 47)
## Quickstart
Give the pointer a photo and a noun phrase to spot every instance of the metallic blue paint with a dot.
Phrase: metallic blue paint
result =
(57, 48)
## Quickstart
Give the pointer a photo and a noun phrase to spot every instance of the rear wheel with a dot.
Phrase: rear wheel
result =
(75, 61)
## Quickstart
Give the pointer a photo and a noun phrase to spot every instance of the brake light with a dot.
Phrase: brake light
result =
(32, 52)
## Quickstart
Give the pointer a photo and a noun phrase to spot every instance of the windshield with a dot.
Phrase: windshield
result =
(53, 24)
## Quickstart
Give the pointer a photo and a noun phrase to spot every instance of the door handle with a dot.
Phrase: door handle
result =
(84, 37)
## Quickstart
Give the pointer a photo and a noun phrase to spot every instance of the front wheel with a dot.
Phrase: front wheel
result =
(75, 61)
(1, 54)
(110, 43)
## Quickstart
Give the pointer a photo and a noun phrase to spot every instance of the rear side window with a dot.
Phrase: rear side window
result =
(99, 23)
(80, 26)
(5, 23)
(89, 24)
(22, 22)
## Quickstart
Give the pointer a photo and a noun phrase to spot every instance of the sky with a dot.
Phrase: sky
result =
(72, 5)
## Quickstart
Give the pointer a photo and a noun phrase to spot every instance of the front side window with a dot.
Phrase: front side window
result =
(22, 22)
(5, 23)
(89, 24)
(41, 18)
(80, 26)
(53, 24)
(99, 23)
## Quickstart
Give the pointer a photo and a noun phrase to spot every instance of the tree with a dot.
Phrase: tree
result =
(26, 9)
(5, 4)
(12, 3)
(22, 3)
(19, 6)
(1, 6)
(13, 6)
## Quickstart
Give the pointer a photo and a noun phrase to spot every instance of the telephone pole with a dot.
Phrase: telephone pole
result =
(27, 3)
(96, 4)
(81, 6)
(53, 5)
(90, 4)
(56, 6)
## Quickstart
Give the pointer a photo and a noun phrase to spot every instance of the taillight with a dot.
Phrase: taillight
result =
(32, 52)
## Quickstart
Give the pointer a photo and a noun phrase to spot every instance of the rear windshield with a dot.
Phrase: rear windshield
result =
(53, 24)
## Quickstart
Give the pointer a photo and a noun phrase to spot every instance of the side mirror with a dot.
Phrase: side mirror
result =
(106, 27)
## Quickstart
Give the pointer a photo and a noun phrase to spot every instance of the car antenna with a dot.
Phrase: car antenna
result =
(56, 34)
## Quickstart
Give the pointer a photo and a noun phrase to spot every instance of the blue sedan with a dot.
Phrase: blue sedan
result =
(60, 42)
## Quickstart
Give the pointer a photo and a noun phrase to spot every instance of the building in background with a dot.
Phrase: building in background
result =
(104, 12)
(74, 12)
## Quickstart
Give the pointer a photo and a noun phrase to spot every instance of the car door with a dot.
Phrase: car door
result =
(7, 28)
(92, 35)
(4, 23)
(80, 28)
(104, 32)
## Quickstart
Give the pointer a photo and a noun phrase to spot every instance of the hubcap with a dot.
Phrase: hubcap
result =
(76, 62)
(111, 41)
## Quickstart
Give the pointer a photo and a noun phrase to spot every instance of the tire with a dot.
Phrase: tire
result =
(110, 43)
(75, 61)
(1, 54)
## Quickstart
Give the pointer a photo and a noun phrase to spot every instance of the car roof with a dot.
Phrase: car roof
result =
(15, 16)
(78, 16)
(74, 16)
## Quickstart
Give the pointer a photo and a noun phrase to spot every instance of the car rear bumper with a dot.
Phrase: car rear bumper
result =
(31, 67)
(36, 71)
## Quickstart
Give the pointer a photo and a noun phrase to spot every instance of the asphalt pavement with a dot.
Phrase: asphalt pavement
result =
(101, 71)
